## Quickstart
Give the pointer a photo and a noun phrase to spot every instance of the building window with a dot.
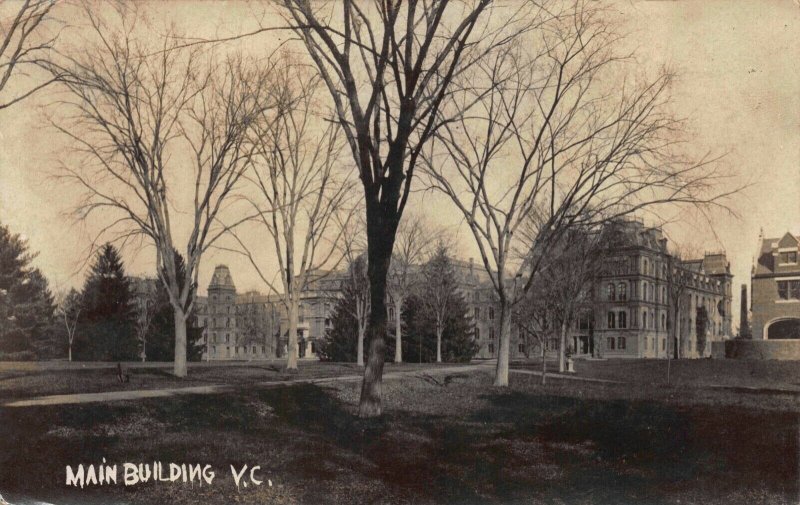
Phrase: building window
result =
(621, 343)
(612, 320)
(789, 290)
(644, 319)
(646, 266)
(789, 257)
(663, 344)
(491, 332)
(391, 312)
(584, 321)
(522, 348)
(622, 319)
(622, 289)
(611, 292)
(227, 338)
(652, 292)
(477, 333)
(611, 342)
(663, 321)
(491, 313)
(491, 347)
(477, 313)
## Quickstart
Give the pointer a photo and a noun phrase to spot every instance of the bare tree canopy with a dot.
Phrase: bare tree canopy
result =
(554, 126)
(25, 46)
(411, 248)
(302, 193)
(134, 106)
(388, 66)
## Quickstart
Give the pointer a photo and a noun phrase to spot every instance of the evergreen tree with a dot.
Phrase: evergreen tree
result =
(107, 326)
(26, 304)
(458, 344)
(161, 339)
(341, 340)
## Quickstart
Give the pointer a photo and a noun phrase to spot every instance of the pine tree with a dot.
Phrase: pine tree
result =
(26, 304)
(458, 344)
(107, 327)
(161, 341)
(341, 340)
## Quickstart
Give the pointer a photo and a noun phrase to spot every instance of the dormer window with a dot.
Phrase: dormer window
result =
(788, 258)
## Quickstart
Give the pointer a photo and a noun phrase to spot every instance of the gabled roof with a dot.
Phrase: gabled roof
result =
(788, 240)
(765, 264)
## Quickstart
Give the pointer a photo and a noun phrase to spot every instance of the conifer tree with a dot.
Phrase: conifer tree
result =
(161, 344)
(108, 320)
(26, 304)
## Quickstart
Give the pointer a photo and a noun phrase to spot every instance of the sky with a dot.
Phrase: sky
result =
(739, 87)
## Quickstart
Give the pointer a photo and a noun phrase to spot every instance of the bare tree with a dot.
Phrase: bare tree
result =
(302, 192)
(146, 299)
(678, 279)
(558, 134)
(413, 240)
(569, 275)
(388, 65)
(69, 306)
(439, 291)
(25, 46)
(359, 281)
(132, 107)
(533, 316)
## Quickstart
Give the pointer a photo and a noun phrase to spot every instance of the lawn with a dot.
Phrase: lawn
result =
(28, 383)
(443, 439)
(688, 372)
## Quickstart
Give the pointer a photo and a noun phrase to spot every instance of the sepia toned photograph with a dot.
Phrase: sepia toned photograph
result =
(409, 252)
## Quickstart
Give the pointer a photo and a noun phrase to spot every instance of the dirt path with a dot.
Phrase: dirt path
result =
(222, 388)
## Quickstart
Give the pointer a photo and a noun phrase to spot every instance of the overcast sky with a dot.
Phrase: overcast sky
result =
(739, 68)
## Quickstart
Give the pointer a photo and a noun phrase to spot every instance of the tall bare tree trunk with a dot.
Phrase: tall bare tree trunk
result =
(360, 347)
(544, 363)
(381, 231)
(398, 333)
(562, 347)
(70, 351)
(501, 373)
(180, 343)
(438, 341)
(291, 351)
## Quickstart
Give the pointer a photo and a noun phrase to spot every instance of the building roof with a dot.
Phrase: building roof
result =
(222, 278)
(765, 264)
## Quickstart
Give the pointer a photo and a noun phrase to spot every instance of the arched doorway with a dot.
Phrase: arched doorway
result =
(783, 329)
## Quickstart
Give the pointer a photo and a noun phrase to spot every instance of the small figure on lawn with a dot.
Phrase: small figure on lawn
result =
(123, 377)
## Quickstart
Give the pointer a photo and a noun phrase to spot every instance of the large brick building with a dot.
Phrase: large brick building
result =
(636, 293)
(630, 314)
(775, 289)
(252, 325)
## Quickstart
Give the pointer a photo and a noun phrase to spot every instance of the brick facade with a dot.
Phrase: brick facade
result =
(775, 289)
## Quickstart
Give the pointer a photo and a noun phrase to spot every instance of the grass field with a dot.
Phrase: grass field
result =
(446, 439)
(695, 372)
(23, 384)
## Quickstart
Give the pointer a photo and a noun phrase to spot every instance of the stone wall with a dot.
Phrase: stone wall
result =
(757, 349)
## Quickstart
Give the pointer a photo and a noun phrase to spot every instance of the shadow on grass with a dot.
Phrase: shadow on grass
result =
(512, 447)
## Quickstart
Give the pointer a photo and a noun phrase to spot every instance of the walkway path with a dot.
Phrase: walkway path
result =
(222, 388)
